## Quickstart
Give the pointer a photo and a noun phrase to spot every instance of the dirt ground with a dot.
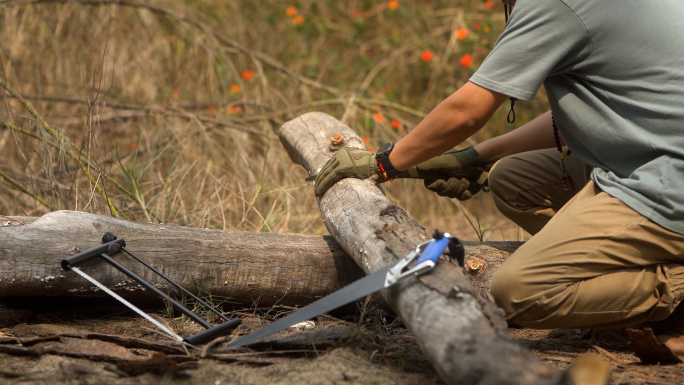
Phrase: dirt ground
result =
(109, 345)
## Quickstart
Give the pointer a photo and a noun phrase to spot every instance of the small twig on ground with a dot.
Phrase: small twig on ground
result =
(651, 378)
(206, 350)
(557, 358)
(610, 355)
(277, 307)
(363, 309)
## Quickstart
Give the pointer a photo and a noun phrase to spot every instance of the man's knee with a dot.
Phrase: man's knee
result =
(506, 182)
(521, 191)
(505, 288)
(514, 290)
(502, 180)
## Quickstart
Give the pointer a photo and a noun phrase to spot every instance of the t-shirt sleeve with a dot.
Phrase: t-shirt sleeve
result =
(543, 38)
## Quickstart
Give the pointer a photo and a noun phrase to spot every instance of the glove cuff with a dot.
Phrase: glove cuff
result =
(475, 158)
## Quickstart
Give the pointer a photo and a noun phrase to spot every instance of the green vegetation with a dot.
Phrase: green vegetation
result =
(167, 111)
(180, 322)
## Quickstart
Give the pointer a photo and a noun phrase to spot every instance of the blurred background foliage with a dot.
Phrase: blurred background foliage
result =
(167, 111)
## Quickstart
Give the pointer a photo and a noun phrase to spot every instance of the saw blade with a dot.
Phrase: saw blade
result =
(130, 305)
(356, 290)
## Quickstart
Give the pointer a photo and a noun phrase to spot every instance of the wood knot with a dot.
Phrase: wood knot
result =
(475, 266)
(391, 210)
(337, 142)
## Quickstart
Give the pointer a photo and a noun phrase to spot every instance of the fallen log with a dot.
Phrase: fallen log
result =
(244, 268)
(301, 268)
(459, 330)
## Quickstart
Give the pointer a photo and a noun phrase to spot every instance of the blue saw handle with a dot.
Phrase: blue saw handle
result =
(433, 250)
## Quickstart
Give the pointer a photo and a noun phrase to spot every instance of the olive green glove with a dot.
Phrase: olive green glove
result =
(459, 164)
(461, 189)
(346, 163)
(454, 174)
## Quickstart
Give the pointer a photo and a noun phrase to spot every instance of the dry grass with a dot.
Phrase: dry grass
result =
(143, 110)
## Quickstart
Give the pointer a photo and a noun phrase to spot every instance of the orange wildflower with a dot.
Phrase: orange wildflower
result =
(132, 145)
(247, 75)
(486, 29)
(234, 110)
(426, 56)
(467, 60)
(357, 14)
(393, 4)
(299, 19)
(395, 124)
(476, 26)
(175, 95)
(236, 88)
(489, 4)
(291, 11)
(379, 118)
(461, 33)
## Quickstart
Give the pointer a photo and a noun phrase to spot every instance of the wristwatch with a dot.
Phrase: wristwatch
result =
(385, 167)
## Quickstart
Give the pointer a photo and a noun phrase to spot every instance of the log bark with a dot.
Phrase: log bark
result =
(459, 330)
(248, 268)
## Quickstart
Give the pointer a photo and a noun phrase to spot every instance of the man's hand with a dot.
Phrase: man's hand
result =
(346, 163)
(454, 164)
(454, 174)
(461, 189)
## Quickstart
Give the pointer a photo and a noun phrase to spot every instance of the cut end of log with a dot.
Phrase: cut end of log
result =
(475, 266)
(337, 142)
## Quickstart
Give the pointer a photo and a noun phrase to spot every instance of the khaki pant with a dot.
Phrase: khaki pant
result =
(593, 262)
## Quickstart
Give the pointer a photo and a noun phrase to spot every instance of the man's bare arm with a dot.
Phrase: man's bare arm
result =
(460, 116)
(454, 120)
(535, 135)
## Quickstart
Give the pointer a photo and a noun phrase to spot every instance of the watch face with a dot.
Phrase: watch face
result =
(385, 149)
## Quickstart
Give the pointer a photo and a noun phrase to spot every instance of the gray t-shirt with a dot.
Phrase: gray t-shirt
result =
(613, 71)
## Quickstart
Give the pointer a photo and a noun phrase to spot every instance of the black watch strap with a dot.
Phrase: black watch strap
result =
(385, 167)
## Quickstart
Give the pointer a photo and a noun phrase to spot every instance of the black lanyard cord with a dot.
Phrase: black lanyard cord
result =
(510, 118)
(511, 114)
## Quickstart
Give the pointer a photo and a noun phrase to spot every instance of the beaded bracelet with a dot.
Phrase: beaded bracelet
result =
(568, 183)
